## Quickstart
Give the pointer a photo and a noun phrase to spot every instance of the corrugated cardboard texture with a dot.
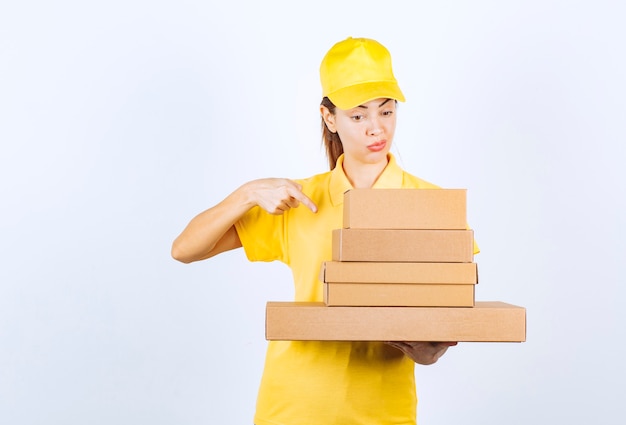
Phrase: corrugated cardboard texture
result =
(376, 272)
(398, 294)
(405, 209)
(488, 321)
(437, 246)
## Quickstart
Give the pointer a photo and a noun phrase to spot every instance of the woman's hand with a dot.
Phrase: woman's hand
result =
(213, 231)
(276, 195)
(424, 353)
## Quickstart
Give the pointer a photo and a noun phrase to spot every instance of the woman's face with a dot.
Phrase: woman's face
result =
(366, 131)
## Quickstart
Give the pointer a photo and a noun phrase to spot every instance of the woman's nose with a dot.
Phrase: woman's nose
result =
(375, 127)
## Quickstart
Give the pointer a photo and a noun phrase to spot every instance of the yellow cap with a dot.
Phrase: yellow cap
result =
(357, 70)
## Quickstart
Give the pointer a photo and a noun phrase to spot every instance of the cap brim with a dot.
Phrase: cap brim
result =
(353, 96)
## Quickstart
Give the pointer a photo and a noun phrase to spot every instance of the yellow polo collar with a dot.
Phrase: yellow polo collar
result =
(391, 178)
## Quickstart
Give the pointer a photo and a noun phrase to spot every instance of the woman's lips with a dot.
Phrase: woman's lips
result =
(378, 146)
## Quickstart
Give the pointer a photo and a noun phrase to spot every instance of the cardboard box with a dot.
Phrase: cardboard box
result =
(488, 321)
(391, 272)
(437, 246)
(405, 209)
(398, 294)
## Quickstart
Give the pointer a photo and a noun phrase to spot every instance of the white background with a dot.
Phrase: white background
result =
(120, 120)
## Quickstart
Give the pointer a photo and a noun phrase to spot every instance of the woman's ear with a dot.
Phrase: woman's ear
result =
(329, 118)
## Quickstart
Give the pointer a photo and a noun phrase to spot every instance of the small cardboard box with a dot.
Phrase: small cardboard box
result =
(375, 272)
(488, 321)
(398, 294)
(405, 209)
(383, 245)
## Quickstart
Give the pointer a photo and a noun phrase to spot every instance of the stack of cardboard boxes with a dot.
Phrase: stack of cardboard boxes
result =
(402, 269)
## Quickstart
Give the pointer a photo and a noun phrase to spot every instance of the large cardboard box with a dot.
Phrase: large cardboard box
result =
(405, 209)
(488, 321)
(398, 294)
(392, 272)
(438, 246)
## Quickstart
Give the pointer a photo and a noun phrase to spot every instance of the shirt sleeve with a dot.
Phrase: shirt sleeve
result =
(262, 235)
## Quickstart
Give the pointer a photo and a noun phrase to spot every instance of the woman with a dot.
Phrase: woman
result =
(291, 221)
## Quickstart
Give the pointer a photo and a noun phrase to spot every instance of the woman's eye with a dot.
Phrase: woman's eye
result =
(387, 113)
(357, 117)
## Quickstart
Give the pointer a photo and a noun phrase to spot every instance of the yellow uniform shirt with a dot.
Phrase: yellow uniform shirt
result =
(317, 382)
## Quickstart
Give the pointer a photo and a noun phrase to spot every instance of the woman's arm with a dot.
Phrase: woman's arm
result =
(212, 231)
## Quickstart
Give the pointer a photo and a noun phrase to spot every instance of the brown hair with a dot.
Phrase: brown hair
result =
(332, 142)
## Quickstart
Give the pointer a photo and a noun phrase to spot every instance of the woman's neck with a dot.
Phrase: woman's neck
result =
(362, 175)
